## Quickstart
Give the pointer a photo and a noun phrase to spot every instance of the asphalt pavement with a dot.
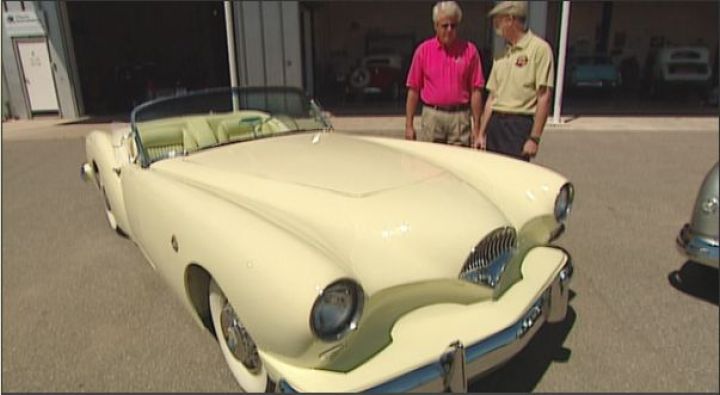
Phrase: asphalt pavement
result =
(82, 311)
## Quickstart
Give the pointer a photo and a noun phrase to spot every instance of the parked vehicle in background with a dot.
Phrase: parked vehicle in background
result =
(379, 74)
(677, 68)
(698, 239)
(593, 72)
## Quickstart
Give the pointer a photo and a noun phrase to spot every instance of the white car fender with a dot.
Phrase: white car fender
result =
(255, 262)
(102, 157)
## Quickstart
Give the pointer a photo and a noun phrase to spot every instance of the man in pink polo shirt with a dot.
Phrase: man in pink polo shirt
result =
(446, 74)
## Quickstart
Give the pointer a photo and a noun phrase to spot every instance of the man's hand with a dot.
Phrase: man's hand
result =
(413, 97)
(530, 149)
(479, 141)
(410, 133)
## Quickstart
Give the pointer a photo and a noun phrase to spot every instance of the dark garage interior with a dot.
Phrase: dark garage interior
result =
(130, 52)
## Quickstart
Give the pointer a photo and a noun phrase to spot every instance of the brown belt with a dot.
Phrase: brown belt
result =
(454, 108)
(510, 114)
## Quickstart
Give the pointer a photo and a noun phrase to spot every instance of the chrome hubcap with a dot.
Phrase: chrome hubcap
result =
(238, 340)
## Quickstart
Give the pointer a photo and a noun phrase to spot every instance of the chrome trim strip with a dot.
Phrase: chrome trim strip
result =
(569, 190)
(690, 237)
(412, 380)
(701, 249)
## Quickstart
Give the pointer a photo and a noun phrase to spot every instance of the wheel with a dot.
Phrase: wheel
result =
(108, 209)
(238, 348)
(359, 78)
(108, 212)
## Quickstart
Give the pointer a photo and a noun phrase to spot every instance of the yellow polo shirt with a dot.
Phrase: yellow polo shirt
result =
(519, 72)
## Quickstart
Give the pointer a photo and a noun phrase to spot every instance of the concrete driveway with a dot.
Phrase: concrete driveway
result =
(83, 311)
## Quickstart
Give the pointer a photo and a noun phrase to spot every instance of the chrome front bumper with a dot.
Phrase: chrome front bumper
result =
(698, 248)
(459, 363)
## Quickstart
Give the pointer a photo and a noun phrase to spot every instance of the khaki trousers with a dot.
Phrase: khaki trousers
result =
(449, 127)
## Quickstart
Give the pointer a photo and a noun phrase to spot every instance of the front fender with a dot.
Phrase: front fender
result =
(271, 276)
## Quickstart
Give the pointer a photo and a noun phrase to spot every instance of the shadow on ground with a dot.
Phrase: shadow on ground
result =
(101, 118)
(696, 280)
(526, 369)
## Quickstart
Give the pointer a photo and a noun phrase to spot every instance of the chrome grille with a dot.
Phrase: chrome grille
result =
(488, 259)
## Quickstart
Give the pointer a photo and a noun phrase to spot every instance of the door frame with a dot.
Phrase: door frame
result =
(23, 78)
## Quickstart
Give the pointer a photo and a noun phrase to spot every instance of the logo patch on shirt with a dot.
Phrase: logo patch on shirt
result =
(521, 61)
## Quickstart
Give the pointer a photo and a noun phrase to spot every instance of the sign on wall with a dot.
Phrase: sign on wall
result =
(23, 23)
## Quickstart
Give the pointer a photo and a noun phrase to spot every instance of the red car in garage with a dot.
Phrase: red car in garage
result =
(379, 74)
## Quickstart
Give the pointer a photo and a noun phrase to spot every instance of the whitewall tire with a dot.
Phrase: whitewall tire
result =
(243, 359)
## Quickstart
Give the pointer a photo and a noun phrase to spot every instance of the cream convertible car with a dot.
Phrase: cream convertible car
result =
(330, 262)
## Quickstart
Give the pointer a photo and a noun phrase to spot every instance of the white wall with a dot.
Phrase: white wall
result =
(38, 19)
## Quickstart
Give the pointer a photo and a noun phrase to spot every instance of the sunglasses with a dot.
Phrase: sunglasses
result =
(449, 25)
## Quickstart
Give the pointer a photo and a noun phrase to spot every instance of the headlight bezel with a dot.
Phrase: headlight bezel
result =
(350, 320)
(564, 202)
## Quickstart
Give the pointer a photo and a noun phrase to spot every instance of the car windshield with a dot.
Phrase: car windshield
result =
(181, 125)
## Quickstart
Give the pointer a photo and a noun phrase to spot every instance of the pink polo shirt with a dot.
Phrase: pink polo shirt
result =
(445, 77)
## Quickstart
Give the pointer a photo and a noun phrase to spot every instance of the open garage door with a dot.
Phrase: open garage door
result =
(362, 50)
(129, 52)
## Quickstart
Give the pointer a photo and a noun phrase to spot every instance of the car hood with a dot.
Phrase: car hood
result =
(387, 217)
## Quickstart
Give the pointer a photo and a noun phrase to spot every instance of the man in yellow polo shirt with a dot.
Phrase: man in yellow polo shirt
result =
(520, 86)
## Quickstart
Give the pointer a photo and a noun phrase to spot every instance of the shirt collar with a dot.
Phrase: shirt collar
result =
(452, 46)
(524, 41)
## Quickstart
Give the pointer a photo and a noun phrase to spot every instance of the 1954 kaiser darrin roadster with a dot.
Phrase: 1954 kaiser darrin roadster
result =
(329, 262)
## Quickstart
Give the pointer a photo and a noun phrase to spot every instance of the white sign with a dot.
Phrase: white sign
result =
(37, 71)
(23, 23)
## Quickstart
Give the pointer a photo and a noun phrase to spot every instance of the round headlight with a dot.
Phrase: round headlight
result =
(337, 310)
(563, 202)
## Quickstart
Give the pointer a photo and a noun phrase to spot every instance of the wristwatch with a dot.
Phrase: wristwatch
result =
(535, 139)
